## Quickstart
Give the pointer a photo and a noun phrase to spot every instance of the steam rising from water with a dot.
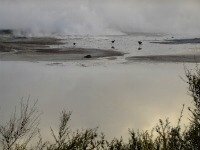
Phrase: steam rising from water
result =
(95, 17)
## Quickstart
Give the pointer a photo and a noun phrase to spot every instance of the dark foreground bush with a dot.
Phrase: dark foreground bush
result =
(22, 127)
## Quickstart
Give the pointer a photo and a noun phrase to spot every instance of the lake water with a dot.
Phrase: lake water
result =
(113, 94)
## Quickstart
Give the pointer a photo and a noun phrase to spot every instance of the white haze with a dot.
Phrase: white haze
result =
(100, 17)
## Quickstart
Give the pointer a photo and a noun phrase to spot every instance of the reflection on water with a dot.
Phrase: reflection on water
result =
(106, 92)
(115, 97)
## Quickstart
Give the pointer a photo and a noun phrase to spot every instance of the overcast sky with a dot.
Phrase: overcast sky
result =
(100, 16)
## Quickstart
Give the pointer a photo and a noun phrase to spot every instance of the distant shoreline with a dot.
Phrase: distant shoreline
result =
(40, 49)
(189, 58)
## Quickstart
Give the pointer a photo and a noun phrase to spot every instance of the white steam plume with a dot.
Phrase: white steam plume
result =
(100, 16)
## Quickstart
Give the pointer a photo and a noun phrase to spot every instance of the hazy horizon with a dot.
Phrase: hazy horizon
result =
(99, 17)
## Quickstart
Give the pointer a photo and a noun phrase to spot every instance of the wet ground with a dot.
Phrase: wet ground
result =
(166, 58)
(47, 49)
(154, 48)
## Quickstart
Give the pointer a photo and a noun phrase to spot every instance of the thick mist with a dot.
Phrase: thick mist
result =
(100, 17)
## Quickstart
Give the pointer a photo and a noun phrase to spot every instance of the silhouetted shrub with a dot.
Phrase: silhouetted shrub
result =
(20, 129)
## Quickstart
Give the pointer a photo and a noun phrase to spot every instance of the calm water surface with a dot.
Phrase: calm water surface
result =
(111, 94)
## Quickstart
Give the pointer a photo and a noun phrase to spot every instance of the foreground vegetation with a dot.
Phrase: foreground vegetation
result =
(17, 133)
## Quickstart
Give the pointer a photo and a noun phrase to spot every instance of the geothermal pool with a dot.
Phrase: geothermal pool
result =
(115, 94)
